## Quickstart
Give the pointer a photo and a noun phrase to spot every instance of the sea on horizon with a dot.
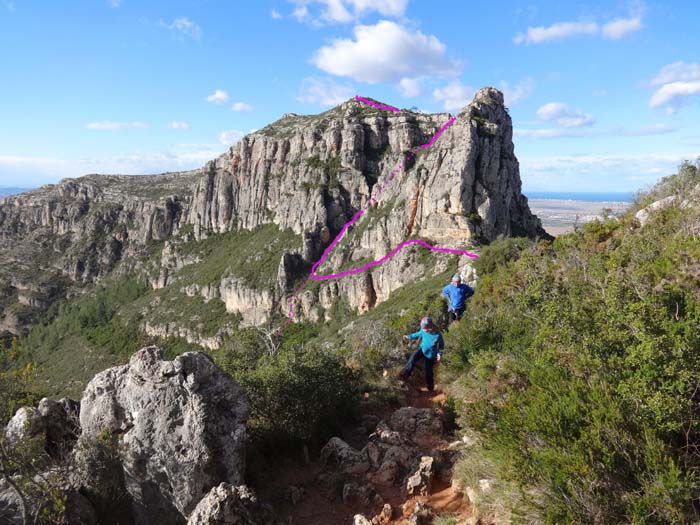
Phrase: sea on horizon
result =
(585, 196)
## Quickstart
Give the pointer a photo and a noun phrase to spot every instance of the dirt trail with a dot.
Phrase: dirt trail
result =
(320, 500)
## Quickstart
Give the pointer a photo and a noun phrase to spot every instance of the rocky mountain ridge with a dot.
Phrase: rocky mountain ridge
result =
(306, 176)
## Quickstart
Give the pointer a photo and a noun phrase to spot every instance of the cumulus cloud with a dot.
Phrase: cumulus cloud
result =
(674, 94)
(179, 125)
(385, 52)
(621, 26)
(110, 125)
(513, 95)
(410, 87)
(230, 137)
(678, 82)
(218, 97)
(325, 92)
(557, 31)
(343, 11)
(677, 72)
(564, 116)
(454, 95)
(276, 15)
(184, 26)
(241, 106)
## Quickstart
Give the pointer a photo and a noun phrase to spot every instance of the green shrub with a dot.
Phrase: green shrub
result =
(298, 395)
(500, 253)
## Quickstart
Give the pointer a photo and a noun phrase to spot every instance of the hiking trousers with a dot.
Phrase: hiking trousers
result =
(416, 356)
(455, 315)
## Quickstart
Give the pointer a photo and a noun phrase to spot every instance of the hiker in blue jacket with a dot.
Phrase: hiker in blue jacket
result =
(431, 346)
(457, 294)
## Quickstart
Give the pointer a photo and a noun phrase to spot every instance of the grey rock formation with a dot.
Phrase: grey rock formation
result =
(226, 504)
(420, 482)
(181, 428)
(310, 174)
(54, 422)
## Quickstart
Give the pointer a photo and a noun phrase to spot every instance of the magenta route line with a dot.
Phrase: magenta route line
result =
(359, 214)
(380, 106)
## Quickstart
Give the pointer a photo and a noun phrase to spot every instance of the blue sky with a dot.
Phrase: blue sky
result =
(604, 96)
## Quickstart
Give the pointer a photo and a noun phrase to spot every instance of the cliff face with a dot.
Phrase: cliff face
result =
(309, 174)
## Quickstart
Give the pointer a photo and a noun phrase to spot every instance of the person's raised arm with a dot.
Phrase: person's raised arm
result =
(414, 335)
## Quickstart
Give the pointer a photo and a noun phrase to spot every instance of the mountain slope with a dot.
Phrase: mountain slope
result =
(304, 174)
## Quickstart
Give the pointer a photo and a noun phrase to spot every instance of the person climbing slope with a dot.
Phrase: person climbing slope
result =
(457, 294)
(431, 346)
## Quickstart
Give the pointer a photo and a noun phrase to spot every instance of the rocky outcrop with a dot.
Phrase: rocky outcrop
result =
(54, 423)
(157, 442)
(404, 454)
(226, 504)
(181, 425)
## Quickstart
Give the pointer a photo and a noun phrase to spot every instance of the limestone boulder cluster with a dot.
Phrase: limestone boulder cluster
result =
(309, 174)
(403, 453)
(150, 442)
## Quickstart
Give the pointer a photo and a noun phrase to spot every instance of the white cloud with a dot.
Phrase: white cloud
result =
(600, 93)
(564, 116)
(552, 133)
(218, 97)
(184, 26)
(521, 90)
(276, 15)
(241, 106)
(343, 11)
(612, 29)
(558, 31)
(454, 95)
(326, 92)
(677, 72)
(621, 26)
(301, 13)
(679, 81)
(230, 137)
(114, 4)
(385, 52)
(179, 125)
(410, 87)
(674, 94)
(110, 125)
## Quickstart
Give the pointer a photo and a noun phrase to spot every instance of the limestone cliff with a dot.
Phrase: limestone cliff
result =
(306, 174)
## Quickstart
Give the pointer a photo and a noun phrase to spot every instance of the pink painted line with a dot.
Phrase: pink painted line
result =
(359, 214)
(389, 256)
(380, 106)
(447, 124)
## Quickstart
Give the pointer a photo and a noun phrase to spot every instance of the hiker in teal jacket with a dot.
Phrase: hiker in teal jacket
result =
(431, 346)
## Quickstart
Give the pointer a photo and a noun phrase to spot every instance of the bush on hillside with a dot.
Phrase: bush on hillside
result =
(582, 372)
